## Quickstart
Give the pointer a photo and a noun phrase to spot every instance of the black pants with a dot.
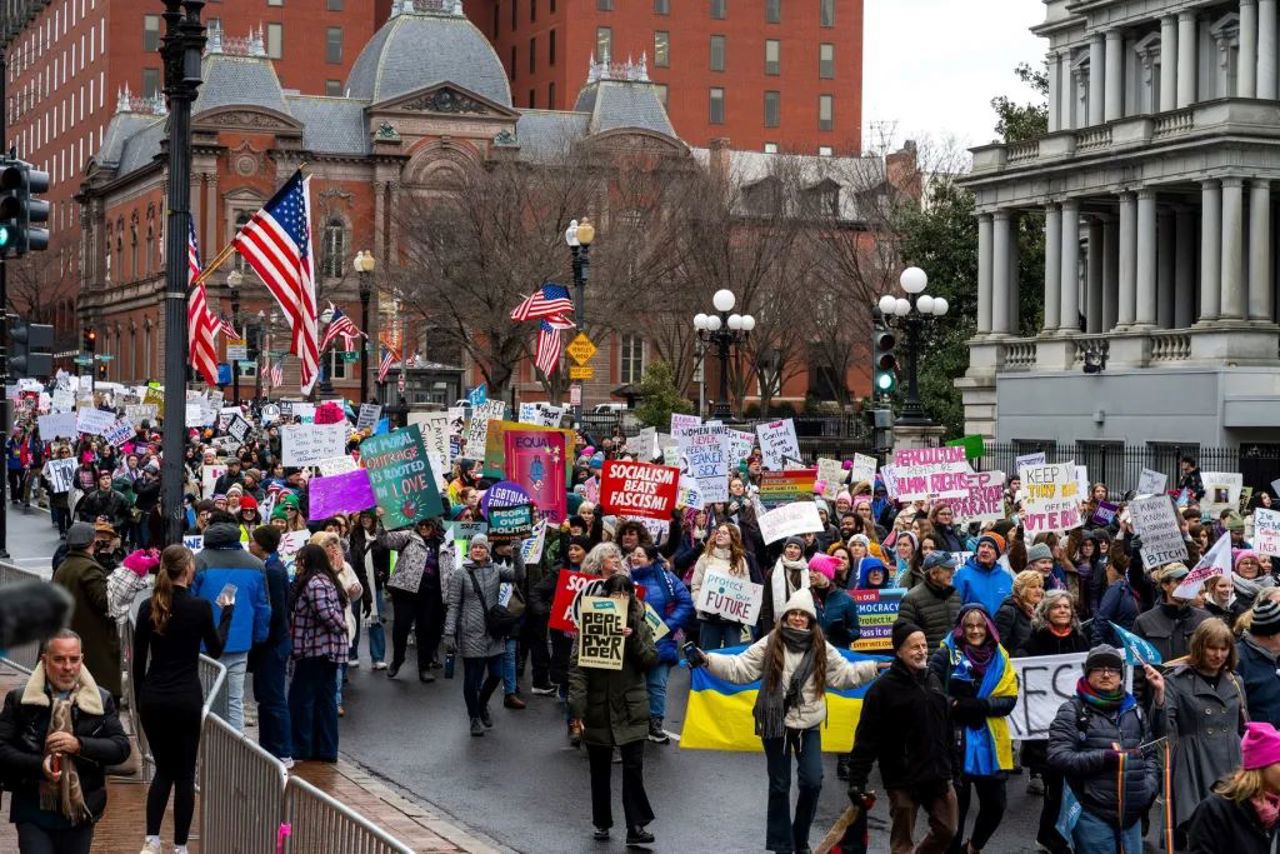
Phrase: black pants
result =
(16, 477)
(1047, 833)
(635, 802)
(533, 645)
(173, 731)
(424, 613)
(992, 800)
(480, 678)
(561, 650)
(36, 840)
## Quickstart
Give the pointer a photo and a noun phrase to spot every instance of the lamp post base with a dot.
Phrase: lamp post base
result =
(906, 435)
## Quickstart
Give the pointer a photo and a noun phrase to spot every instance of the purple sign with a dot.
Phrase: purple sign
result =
(1105, 512)
(348, 492)
(504, 493)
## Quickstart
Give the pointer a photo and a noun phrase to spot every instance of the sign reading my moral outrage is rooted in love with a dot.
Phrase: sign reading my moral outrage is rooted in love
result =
(639, 489)
(929, 473)
(401, 476)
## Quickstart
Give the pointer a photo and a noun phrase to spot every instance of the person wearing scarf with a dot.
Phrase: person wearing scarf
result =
(1095, 742)
(1242, 815)
(789, 574)
(1248, 580)
(905, 545)
(795, 666)
(976, 675)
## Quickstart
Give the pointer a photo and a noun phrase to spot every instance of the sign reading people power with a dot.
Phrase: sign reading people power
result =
(639, 489)
(925, 473)
(1053, 498)
(601, 634)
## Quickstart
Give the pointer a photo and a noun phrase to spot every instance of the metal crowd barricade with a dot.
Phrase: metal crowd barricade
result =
(213, 679)
(126, 627)
(241, 792)
(318, 824)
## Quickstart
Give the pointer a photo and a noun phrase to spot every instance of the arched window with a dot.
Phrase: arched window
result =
(120, 248)
(151, 236)
(335, 248)
(106, 277)
(242, 218)
(133, 249)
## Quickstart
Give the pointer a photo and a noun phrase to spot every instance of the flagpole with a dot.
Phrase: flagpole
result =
(221, 257)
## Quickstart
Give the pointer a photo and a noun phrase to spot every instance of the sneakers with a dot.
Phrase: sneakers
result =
(342, 713)
(392, 671)
(425, 677)
(544, 690)
(287, 763)
(600, 834)
(379, 665)
(353, 662)
(477, 728)
(486, 718)
(639, 836)
(152, 845)
(513, 701)
(656, 733)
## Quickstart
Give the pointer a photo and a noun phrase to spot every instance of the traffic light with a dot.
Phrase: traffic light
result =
(884, 364)
(102, 370)
(32, 353)
(90, 342)
(20, 182)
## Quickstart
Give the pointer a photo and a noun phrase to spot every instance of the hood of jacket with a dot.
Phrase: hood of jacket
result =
(222, 535)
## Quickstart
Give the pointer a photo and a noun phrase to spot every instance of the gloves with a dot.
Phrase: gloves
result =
(969, 711)
(450, 645)
(860, 799)
(695, 656)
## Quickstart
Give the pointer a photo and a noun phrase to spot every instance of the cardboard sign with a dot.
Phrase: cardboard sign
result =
(783, 487)
(877, 612)
(639, 489)
(511, 522)
(528, 414)
(535, 460)
(1152, 482)
(349, 492)
(290, 544)
(435, 433)
(94, 421)
(789, 520)
(531, 549)
(369, 415)
(478, 426)
(337, 465)
(1156, 522)
(1221, 492)
(1266, 531)
(209, 475)
(864, 468)
(741, 444)
(401, 477)
(778, 444)
(704, 452)
(681, 422)
(644, 445)
(462, 532)
(1045, 682)
(600, 633)
(194, 542)
(60, 474)
(733, 597)
(832, 475)
(928, 473)
(308, 444)
(139, 412)
(59, 426)
(985, 501)
(238, 428)
(1053, 498)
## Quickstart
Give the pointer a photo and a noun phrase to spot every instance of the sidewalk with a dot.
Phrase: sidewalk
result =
(419, 827)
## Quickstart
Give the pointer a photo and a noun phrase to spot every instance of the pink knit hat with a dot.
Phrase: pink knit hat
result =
(1261, 745)
(825, 564)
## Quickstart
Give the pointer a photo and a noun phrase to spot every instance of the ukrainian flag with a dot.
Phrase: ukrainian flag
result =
(719, 714)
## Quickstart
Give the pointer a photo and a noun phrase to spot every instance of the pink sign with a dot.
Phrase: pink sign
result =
(926, 473)
(349, 492)
(535, 460)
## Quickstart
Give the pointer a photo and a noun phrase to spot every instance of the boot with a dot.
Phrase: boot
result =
(656, 734)
(639, 836)
(512, 701)
(486, 718)
(477, 728)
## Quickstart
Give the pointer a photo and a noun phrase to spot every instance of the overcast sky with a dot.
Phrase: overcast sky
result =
(931, 67)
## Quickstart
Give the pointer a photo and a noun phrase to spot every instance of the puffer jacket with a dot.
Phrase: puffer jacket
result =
(838, 616)
(988, 586)
(714, 561)
(1257, 670)
(1080, 746)
(1220, 825)
(1169, 628)
(1013, 624)
(811, 711)
(465, 620)
(223, 562)
(931, 608)
(413, 559)
(667, 595)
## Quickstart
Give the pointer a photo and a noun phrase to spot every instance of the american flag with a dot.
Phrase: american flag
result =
(227, 328)
(277, 373)
(339, 324)
(551, 300)
(200, 322)
(384, 363)
(276, 243)
(548, 355)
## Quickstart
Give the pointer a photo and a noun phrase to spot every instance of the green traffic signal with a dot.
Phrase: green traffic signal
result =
(4, 237)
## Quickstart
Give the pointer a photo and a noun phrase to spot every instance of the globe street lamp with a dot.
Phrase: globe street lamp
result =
(578, 237)
(912, 311)
(723, 329)
(364, 264)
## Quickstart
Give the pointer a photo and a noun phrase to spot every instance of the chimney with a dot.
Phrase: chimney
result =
(719, 161)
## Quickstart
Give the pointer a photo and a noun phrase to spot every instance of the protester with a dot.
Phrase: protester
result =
(372, 563)
(933, 606)
(331, 542)
(1247, 581)
(1170, 623)
(789, 574)
(982, 580)
(1013, 619)
(724, 553)
(172, 624)
(670, 599)
(1242, 815)
(1120, 605)
(269, 660)
(91, 620)
(1259, 653)
(319, 647)
(423, 569)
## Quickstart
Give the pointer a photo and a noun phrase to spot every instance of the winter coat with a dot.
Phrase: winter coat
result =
(86, 581)
(1259, 670)
(465, 620)
(1045, 642)
(811, 710)
(778, 588)
(1169, 629)
(710, 561)
(905, 725)
(1013, 624)
(613, 705)
(1119, 606)
(838, 616)
(931, 608)
(949, 539)
(223, 561)
(1204, 724)
(968, 710)
(1080, 746)
(24, 725)
(110, 504)
(668, 596)
(1220, 825)
(412, 561)
(988, 586)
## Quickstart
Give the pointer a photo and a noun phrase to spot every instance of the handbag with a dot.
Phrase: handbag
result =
(498, 620)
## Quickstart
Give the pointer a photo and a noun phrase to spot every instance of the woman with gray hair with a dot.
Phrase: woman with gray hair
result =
(1055, 630)
(604, 560)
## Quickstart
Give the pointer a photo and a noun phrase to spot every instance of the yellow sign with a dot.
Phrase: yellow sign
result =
(581, 349)
(582, 372)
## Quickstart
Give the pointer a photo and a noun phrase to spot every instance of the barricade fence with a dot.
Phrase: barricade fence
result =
(241, 792)
(318, 824)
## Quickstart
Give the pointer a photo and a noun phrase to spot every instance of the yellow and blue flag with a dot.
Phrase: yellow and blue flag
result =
(719, 714)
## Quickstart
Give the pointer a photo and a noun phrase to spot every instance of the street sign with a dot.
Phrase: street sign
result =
(237, 349)
(84, 360)
(582, 372)
(247, 364)
(581, 349)
(104, 357)
(575, 395)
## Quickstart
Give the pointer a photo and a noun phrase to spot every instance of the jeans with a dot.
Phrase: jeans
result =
(1097, 836)
(657, 682)
(713, 636)
(783, 834)
(992, 800)
(477, 687)
(270, 668)
(635, 801)
(337, 682)
(313, 709)
(33, 839)
(377, 632)
(236, 663)
(509, 684)
(939, 806)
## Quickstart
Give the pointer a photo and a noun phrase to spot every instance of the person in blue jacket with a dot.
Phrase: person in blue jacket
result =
(224, 561)
(1119, 605)
(1259, 649)
(872, 574)
(982, 579)
(668, 596)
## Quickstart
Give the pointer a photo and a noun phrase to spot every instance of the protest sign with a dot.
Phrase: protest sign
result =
(569, 585)
(139, 412)
(120, 431)
(1053, 498)
(349, 492)
(864, 468)
(1266, 531)
(778, 443)
(985, 501)
(308, 444)
(1221, 492)
(511, 522)
(740, 444)
(495, 448)
(194, 542)
(63, 400)
(194, 416)
(531, 549)
(789, 520)
(877, 612)
(974, 446)
(306, 412)
(478, 427)
(535, 460)
(639, 489)
(644, 444)
(153, 395)
(551, 416)
(479, 395)
(401, 476)
(462, 532)
(705, 454)
(59, 426)
(1155, 521)
(689, 495)
(734, 597)
(435, 433)
(1105, 513)
(1082, 482)
(656, 624)
(600, 634)
(505, 493)
(1216, 561)
(290, 544)
(238, 428)
(369, 415)
(60, 473)
(1029, 460)
(927, 473)
(890, 481)
(94, 421)
(528, 414)
(783, 487)
(680, 422)
(1152, 482)
(1045, 682)
(832, 475)
(209, 475)
(336, 465)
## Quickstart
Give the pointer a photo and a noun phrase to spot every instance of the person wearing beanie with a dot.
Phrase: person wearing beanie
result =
(1169, 623)
(789, 574)
(82, 575)
(1247, 580)
(795, 651)
(933, 605)
(425, 563)
(1259, 652)
(1095, 743)
(905, 725)
(249, 517)
(982, 580)
(130, 578)
(1242, 815)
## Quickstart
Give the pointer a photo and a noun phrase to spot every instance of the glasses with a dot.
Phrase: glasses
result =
(1107, 671)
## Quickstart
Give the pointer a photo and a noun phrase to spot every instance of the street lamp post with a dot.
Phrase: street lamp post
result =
(723, 330)
(182, 51)
(326, 360)
(258, 335)
(364, 265)
(578, 236)
(912, 311)
(234, 279)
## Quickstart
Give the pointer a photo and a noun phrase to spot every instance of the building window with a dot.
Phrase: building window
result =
(337, 363)
(826, 61)
(533, 54)
(333, 45)
(551, 96)
(275, 40)
(604, 5)
(772, 109)
(662, 49)
(150, 82)
(333, 88)
(719, 9)
(773, 11)
(825, 110)
(632, 361)
(513, 14)
(334, 5)
(275, 2)
(604, 43)
(827, 13)
(772, 56)
(335, 248)
(661, 90)
(717, 53)
(150, 33)
(824, 151)
(662, 7)
(551, 48)
(242, 219)
(716, 116)
(771, 148)
(533, 10)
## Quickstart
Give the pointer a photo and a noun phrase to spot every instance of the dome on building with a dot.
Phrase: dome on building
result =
(425, 43)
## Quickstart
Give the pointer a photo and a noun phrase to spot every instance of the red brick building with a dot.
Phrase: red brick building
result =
(765, 74)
